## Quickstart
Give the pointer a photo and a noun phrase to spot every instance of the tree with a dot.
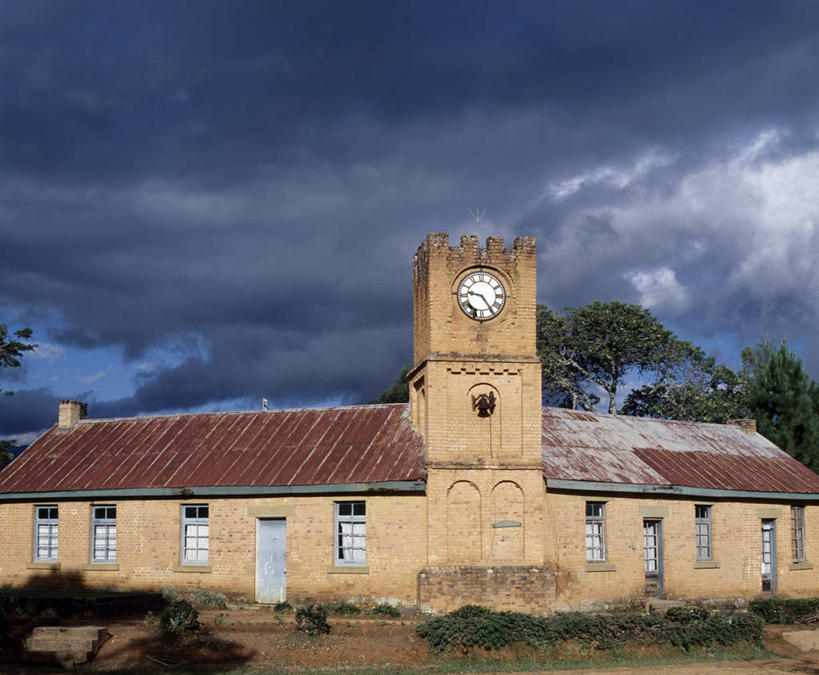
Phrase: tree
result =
(704, 391)
(12, 349)
(398, 391)
(599, 345)
(6, 454)
(784, 401)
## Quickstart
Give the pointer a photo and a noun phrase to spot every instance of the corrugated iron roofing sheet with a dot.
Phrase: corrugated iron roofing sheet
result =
(377, 443)
(356, 444)
(620, 449)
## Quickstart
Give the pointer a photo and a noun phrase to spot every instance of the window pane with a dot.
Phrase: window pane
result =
(351, 532)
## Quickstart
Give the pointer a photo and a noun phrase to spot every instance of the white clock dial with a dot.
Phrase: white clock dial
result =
(481, 295)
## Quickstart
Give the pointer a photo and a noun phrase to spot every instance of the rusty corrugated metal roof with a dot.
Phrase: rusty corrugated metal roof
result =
(355, 444)
(637, 450)
(377, 444)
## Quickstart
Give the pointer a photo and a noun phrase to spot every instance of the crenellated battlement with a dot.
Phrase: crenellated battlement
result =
(469, 251)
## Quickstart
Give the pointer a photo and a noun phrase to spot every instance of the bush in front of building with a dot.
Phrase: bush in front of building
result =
(786, 610)
(386, 610)
(179, 615)
(343, 608)
(312, 619)
(206, 598)
(472, 627)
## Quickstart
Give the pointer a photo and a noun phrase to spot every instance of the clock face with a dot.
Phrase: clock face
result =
(481, 295)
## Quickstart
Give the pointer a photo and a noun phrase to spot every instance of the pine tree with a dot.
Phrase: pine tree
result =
(784, 400)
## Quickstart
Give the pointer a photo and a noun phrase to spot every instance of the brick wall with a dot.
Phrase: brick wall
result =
(505, 588)
(735, 569)
(149, 540)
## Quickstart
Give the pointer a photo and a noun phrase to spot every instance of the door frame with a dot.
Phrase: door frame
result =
(773, 573)
(256, 557)
(660, 565)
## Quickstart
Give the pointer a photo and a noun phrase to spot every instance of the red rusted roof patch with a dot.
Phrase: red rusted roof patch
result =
(639, 451)
(355, 444)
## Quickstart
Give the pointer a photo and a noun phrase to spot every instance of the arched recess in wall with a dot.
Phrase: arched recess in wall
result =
(463, 518)
(507, 522)
(486, 426)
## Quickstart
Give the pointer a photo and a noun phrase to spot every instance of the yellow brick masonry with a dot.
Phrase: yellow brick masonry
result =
(149, 540)
(737, 549)
(484, 474)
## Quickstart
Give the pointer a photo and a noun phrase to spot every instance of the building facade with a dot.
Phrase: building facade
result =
(471, 493)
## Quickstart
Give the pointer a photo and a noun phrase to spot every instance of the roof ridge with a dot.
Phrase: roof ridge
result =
(356, 406)
(662, 420)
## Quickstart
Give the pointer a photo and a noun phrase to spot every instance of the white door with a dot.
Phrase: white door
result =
(271, 556)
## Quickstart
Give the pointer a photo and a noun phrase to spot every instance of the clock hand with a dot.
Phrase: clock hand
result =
(480, 295)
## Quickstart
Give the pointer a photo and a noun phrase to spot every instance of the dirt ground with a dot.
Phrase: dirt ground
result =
(257, 638)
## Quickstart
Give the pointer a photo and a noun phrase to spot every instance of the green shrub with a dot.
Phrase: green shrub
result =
(283, 606)
(206, 598)
(686, 614)
(478, 627)
(786, 610)
(312, 619)
(179, 615)
(170, 594)
(345, 608)
(386, 610)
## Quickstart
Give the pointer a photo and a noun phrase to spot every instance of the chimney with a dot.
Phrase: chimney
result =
(746, 424)
(71, 412)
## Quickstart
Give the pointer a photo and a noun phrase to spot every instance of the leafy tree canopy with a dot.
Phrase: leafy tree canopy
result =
(783, 400)
(12, 348)
(596, 347)
(398, 391)
(6, 454)
(703, 391)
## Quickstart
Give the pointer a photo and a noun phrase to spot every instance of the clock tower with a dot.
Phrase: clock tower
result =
(475, 398)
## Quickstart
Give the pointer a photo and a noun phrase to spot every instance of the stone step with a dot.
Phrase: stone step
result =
(37, 644)
(90, 631)
(65, 658)
(64, 644)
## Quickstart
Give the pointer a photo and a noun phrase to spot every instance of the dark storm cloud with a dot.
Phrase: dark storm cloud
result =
(246, 183)
(27, 411)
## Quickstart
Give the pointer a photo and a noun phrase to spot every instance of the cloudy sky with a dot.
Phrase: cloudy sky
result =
(207, 203)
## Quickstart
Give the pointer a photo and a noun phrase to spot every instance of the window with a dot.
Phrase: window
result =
(46, 533)
(595, 531)
(798, 533)
(702, 532)
(195, 534)
(104, 534)
(351, 533)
